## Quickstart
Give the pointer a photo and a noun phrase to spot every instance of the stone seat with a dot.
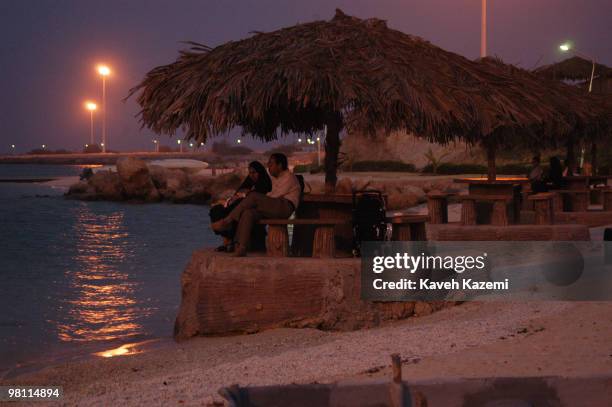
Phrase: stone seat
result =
(500, 208)
(408, 227)
(437, 205)
(277, 242)
(544, 207)
(577, 199)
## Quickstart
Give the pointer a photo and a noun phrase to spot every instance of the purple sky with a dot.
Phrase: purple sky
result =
(50, 48)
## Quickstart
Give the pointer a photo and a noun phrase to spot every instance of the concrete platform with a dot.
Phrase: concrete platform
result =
(458, 232)
(222, 295)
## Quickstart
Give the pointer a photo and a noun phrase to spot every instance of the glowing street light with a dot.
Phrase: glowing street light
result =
(104, 71)
(180, 145)
(12, 149)
(238, 141)
(91, 106)
(44, 146)
(156, 143)
(567, 46)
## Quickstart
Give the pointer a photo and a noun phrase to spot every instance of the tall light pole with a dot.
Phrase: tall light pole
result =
(155, 142)
(12, 149)
(180, 145)
(483, 30)
(104, 71)
(91, 106)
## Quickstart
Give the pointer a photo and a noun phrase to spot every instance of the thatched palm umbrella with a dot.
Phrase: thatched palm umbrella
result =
(580, 70)
(574, 69)
(342, 73)
(587, 115)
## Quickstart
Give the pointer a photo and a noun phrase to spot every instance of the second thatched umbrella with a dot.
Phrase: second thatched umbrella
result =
(342, 73)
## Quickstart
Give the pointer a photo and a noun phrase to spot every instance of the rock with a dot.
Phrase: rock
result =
(78, 188)
(314, 187)
(136, 179)
(422, 309)
(158, 176)
(401, 201)
(344, 186)
(106, 185)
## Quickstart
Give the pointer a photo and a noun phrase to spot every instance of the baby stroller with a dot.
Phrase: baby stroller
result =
(369, 218)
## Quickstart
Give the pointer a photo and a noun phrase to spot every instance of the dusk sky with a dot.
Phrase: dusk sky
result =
(50, 48)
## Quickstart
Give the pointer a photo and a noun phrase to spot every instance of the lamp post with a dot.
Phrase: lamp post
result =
(12, 149)
(483, 29)
(566, 47)
(318, 151)
(91, 106)
(155, 142)
(104, 71)
(180, 145)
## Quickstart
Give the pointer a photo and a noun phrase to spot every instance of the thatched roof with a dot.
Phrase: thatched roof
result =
(574, 69)
(296, 79)
(588, 115)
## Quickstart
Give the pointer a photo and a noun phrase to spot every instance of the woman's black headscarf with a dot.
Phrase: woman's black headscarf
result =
(263, 184)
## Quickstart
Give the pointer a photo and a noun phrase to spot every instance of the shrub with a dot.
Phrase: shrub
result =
(452, 169)
(224, 148)
(388, 165)
(514, 169)
(286, 149)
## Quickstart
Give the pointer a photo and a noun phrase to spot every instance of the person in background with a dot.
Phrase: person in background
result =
(536, 176)
(258, 181)
(555, 175)
(280, 202)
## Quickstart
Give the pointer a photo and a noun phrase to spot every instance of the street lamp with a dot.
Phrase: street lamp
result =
(104, 71)
(44, 146)
(91, 106)
(12, 149)
(156, 146)
(180, 145)
(318, 151)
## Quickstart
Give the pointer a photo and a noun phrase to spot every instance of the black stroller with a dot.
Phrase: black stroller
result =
(369, 218)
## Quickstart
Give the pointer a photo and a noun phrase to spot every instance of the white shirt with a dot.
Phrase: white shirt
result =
(287, 186)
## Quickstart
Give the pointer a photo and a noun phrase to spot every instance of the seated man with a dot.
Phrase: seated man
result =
(280, 202)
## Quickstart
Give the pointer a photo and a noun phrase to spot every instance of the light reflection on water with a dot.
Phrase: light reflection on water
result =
(104, 307)
(79, 277)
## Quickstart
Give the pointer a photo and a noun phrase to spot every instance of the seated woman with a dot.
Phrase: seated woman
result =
(555, 173)
(258, 180)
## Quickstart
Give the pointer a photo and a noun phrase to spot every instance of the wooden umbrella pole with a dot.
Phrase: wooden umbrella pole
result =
(491, 172)
(332, 148)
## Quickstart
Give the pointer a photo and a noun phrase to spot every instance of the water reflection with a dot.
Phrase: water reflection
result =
(104, 306)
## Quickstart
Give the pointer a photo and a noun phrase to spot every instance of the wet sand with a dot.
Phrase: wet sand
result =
(471, 340)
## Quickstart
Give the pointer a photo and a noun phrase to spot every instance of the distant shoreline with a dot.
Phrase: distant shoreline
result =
(100, 158)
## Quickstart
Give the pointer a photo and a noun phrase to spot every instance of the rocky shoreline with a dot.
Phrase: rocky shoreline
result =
(137, 181)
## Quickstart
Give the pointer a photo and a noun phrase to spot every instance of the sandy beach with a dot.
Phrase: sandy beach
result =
(471, 340)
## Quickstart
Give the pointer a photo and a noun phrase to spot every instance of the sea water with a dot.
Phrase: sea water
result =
(78, 277)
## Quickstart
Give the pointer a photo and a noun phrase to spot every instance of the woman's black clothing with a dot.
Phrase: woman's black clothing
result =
(263, 185)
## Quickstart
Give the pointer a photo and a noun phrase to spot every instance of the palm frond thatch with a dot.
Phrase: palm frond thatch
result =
(575, 69)
(345, 72)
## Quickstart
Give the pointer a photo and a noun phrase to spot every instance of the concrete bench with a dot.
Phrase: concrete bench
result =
(437, 205)
(544, 207)
(577, 200)
(277, 242)
(408, 227)
(499, 216)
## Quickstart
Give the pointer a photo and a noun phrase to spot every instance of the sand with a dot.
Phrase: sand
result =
(471, 340)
